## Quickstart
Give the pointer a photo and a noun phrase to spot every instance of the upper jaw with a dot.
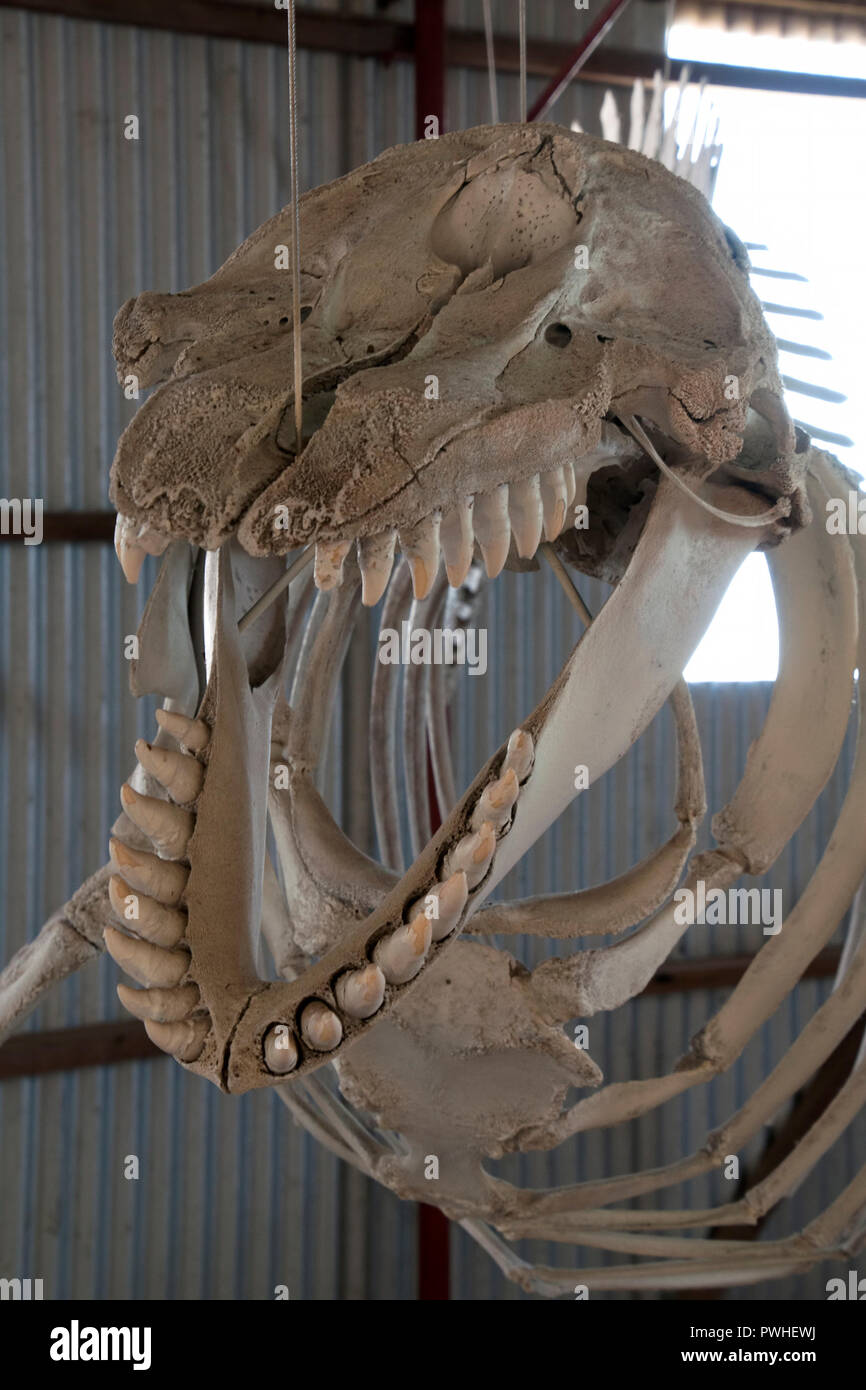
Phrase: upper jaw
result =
(447, 368)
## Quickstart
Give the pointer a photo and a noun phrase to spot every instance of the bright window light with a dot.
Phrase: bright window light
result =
(790, 177)
(699, 44)
(742, 642)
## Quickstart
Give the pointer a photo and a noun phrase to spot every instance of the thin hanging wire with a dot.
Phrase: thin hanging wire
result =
(491, 62)
(301, 562)
(296, 226)
(523, 107)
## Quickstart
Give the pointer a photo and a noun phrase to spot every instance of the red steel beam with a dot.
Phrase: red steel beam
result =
(588, 44)
(429, 64)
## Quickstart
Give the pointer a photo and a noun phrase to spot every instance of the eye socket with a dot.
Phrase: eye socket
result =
(558, 335)
(306, 310)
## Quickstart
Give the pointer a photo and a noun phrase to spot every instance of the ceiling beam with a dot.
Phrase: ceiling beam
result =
(102, 1044)
(72, 527)
(365, 37)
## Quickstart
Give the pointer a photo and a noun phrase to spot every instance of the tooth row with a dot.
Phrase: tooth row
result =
(193, 734)
(495, 802)
(360, 993)
(161, 879)
(147, 892)
(169, 827)
(184, 1040)
(443, 905)
(400, 955)
(133, 542)
(181, 775)
(472, 854)
(527, 510)
(519, 755)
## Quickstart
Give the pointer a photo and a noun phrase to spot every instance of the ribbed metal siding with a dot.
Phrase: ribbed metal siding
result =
(232, 1199)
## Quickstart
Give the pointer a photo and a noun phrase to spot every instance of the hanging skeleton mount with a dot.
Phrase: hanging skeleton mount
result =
(511, 335)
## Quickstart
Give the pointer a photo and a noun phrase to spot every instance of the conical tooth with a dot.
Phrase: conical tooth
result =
(150, 965)
(185, 1041)
(376, 560)
(519, 753)
(359, 993)
(280, 1049)
(420, 545)
(162, 879)
(129, 553)
(450, 898)
(161, 1005)
(180, 774)
(194, 734)
(164, 926)
(328, 564)
(320, 1027)
(492, 528)
(496, 801)
(472, 854)
(568, 474)
(457, 538)
(554, 500)
(525, 512)
(401, 955)
(169, 827)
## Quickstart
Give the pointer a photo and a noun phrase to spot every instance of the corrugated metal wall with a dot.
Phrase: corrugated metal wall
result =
(232, 1199)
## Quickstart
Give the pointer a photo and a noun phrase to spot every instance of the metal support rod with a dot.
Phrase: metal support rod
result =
(590, 41)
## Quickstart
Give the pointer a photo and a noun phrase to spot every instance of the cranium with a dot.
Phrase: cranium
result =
(508, 333)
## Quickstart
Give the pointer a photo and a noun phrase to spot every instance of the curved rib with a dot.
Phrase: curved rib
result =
(613, 907)
(383, 728)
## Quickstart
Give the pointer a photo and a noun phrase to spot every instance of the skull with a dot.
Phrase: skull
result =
(509, 334)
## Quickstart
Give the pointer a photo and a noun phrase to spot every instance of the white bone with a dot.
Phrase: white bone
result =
(150, 965)
(193, 734)
(457, 537)
(185, 1040)
(162, 879)
(519, 753)
(359, 993)
(180, 774)
(280, 1050)
(163, 926)
(420, 545)
(526, 515)
(330, 556)
(401, 955)
(170, 827)
(376, 560)
(492, 528)
(451, 896)
(320, 1027)
(497, 801)
(472, 854)
(554, 500)
(160, 1005)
